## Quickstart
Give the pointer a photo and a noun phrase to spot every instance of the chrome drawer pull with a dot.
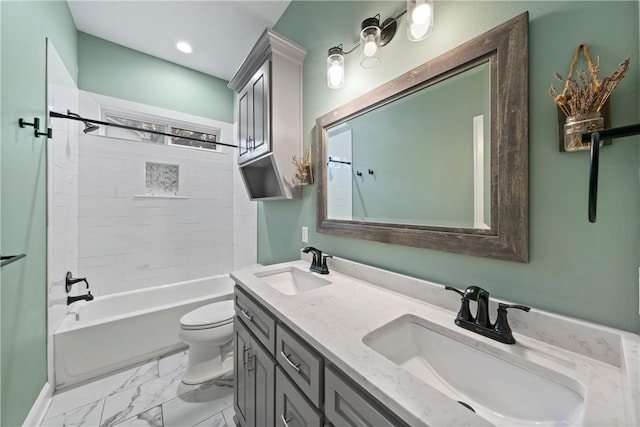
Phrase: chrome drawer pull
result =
(293, 365)
(285, 421)
(247, 315)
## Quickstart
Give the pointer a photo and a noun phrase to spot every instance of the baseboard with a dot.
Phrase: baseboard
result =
(35, 417)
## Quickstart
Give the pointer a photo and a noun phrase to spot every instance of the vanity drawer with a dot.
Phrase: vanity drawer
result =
(303, 365)
(292, 408)
(257, 319)
(346, 404)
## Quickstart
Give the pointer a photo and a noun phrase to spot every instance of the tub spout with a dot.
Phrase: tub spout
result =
(86, 297)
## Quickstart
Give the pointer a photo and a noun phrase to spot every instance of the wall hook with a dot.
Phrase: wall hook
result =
(371, 172)
(48, 133)
(36, 127)
(35, 124)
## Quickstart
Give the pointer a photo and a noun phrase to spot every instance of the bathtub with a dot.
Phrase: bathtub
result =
(115, 331)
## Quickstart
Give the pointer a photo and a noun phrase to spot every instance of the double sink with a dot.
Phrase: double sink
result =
(500, 386)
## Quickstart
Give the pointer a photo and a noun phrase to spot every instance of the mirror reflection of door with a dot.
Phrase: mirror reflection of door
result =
(340, 174)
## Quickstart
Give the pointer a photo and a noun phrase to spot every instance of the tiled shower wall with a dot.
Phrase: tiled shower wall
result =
(128, 240)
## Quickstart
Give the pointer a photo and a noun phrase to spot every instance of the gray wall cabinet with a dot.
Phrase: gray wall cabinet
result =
(268, 89)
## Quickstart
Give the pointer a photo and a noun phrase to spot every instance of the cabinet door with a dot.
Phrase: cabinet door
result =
(262, 371)
(260, 87)
(242, 394)
(292, 408)
(244, 132)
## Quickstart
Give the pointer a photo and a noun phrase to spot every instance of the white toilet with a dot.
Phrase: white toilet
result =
(208, 331)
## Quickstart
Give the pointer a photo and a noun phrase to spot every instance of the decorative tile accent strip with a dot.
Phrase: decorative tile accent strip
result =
(162, 179)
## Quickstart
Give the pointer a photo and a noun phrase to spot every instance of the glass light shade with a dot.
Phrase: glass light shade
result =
(335, 68)
(419, 19)
(370, 42)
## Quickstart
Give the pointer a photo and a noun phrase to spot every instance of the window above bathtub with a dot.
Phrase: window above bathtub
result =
(208, 136)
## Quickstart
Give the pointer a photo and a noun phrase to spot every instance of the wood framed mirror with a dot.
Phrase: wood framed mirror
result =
(438, 157)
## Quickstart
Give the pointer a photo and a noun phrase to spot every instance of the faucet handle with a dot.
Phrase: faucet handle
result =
(464, 313)
(451, 288)
(502, 324)
(323, 267)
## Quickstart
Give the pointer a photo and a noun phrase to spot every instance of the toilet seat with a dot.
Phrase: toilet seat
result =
(208, 316)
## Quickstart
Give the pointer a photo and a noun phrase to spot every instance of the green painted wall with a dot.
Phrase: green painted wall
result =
(588, 271)
(114, 70)
(25, 27)
(410, 142)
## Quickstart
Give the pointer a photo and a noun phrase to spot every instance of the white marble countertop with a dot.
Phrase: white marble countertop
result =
(335, 318)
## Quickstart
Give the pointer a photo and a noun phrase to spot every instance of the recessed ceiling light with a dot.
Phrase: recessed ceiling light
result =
(184, 47)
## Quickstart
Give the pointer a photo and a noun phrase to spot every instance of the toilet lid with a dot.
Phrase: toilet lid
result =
(216, 314)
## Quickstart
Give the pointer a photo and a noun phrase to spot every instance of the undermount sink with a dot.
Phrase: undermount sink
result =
(292, 280)
(499, 391)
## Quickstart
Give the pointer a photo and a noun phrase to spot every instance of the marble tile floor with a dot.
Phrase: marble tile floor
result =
(150, 394)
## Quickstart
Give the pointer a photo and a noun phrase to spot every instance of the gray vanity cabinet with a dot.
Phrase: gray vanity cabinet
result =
(281, 380)
(254, 381)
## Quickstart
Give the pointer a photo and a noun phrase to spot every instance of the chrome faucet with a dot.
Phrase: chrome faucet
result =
(319, 262)
(86, 297)
(500, 330)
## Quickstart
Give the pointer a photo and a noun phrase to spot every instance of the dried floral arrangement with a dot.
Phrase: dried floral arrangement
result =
(303, 166)
(590, 97)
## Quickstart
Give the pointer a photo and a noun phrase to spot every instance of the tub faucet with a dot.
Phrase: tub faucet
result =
(86, 297)
(319, 263)
(499, 331)
(69, 281)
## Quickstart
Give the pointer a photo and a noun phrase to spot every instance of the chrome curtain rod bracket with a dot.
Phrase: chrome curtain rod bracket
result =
(79, 118)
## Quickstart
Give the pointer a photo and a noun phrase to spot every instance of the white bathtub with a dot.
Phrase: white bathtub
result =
(115, 331)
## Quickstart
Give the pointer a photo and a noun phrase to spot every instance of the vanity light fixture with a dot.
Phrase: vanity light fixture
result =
(419, 19)
(373, 36)
(184, 47)
(370, 42)
(335, 67)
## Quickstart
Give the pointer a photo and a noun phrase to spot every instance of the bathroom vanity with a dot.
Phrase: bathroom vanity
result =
(364, 345)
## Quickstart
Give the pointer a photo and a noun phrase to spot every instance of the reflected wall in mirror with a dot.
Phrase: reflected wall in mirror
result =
(409, 143)
(438, 157)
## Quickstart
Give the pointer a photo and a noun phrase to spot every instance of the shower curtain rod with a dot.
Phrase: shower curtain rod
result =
(54, 114)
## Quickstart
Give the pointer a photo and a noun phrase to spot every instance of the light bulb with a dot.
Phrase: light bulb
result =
(418, 31)
(419, 19)
(421, 14)
(370, 46)
(335, 68)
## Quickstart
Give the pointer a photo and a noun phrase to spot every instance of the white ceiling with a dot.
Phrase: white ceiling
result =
(221, 32)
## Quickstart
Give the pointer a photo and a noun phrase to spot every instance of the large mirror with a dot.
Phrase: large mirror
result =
(437, 157)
